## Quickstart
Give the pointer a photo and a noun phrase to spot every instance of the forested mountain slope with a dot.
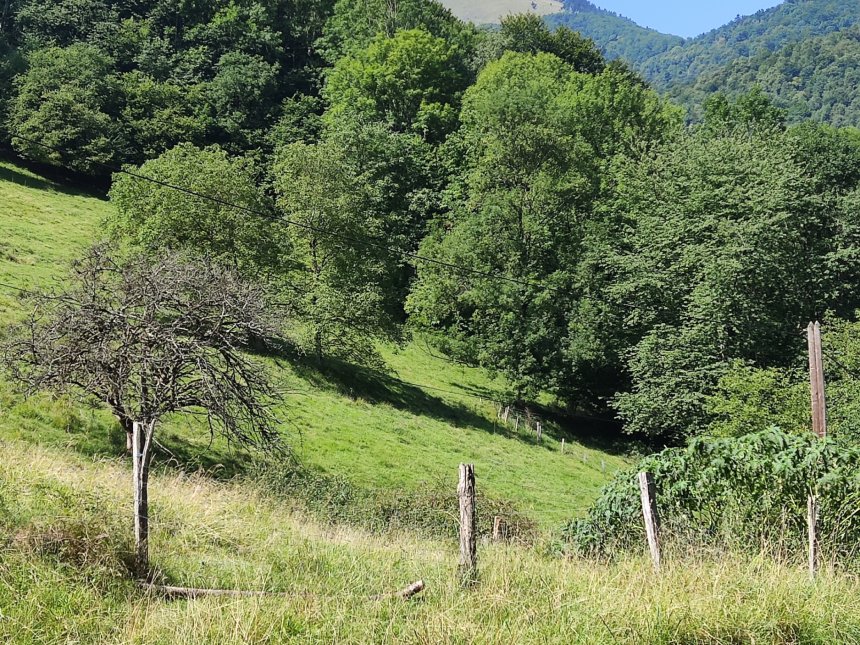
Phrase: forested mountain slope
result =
(615, 35)
(765, 31)
(803, 54)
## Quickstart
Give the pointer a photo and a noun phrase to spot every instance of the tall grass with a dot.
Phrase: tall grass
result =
(63, 576)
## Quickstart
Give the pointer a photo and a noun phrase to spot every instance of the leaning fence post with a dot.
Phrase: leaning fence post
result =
(500, 529)
(468, 525)
(649, 513)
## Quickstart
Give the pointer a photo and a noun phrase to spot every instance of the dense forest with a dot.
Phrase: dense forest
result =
(529, 206)
(802, 53)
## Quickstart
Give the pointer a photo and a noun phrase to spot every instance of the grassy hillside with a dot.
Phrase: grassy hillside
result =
(63, 578)
(65, 534)
(483, 12)
(369, 428)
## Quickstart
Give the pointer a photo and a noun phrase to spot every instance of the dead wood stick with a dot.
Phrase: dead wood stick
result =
(192, 592)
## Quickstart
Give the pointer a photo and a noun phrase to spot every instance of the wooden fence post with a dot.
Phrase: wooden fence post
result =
(562, 446)
(468, 525)
(539, 432)
(819, 427)
(816, 380)
(812, 525)
(649, 513)
(500, 529)
(140, 475)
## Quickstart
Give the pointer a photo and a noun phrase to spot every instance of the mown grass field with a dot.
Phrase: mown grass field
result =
(65, 503)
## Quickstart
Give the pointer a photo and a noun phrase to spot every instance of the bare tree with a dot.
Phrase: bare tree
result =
(151, 337)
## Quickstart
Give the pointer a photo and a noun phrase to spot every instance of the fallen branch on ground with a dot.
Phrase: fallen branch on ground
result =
(191, 592)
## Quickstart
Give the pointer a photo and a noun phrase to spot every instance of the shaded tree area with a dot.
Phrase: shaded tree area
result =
(204, 73)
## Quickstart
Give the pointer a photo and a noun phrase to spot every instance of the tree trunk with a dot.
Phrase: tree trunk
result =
(128, 426)
(141, 453)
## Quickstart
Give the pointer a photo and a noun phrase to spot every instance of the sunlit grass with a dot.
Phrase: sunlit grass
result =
(366, 426)
(62, 510)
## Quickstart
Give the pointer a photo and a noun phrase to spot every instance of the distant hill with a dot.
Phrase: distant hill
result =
(805, 54)
(617, 36)
(483, 12)
(764, 32)
(813, 79)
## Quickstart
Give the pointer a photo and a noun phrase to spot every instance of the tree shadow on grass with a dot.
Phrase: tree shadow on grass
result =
(379, 387)
(93, 433)
(375, 386)
(45, 179)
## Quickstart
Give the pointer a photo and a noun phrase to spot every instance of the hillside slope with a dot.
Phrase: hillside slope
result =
(403, 431)
(802, 53)
(765, 31)
(63, 577)
(615, 35)
(812, 79)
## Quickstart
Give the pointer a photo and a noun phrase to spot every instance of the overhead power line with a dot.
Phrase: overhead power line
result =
(367, 242)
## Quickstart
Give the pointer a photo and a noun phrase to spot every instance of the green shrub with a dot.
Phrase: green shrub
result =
(749, 493)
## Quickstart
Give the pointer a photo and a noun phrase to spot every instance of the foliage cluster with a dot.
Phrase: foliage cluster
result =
(743, 493)
(810, 79)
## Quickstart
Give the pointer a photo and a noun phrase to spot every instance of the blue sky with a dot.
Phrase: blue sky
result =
(684, 18)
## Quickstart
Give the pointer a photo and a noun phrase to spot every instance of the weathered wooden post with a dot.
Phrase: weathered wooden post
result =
(812, 524)
(500, 529)
(819, 427)
(539, 432)
(468, 526)
(562, 446)
(816, 380)
(649, 513)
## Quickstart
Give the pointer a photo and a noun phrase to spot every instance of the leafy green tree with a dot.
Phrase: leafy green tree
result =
(151, 216)
(411, 81)
(157, 116)
(300, 121)
(11, 64)
(68, 99)
(725, 257)
(749, 399)
(243, 95)
(337, 293)
(535, 137)
(355, 23)
(528, 33)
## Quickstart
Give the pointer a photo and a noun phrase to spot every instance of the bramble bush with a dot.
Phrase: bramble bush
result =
(748, 492)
